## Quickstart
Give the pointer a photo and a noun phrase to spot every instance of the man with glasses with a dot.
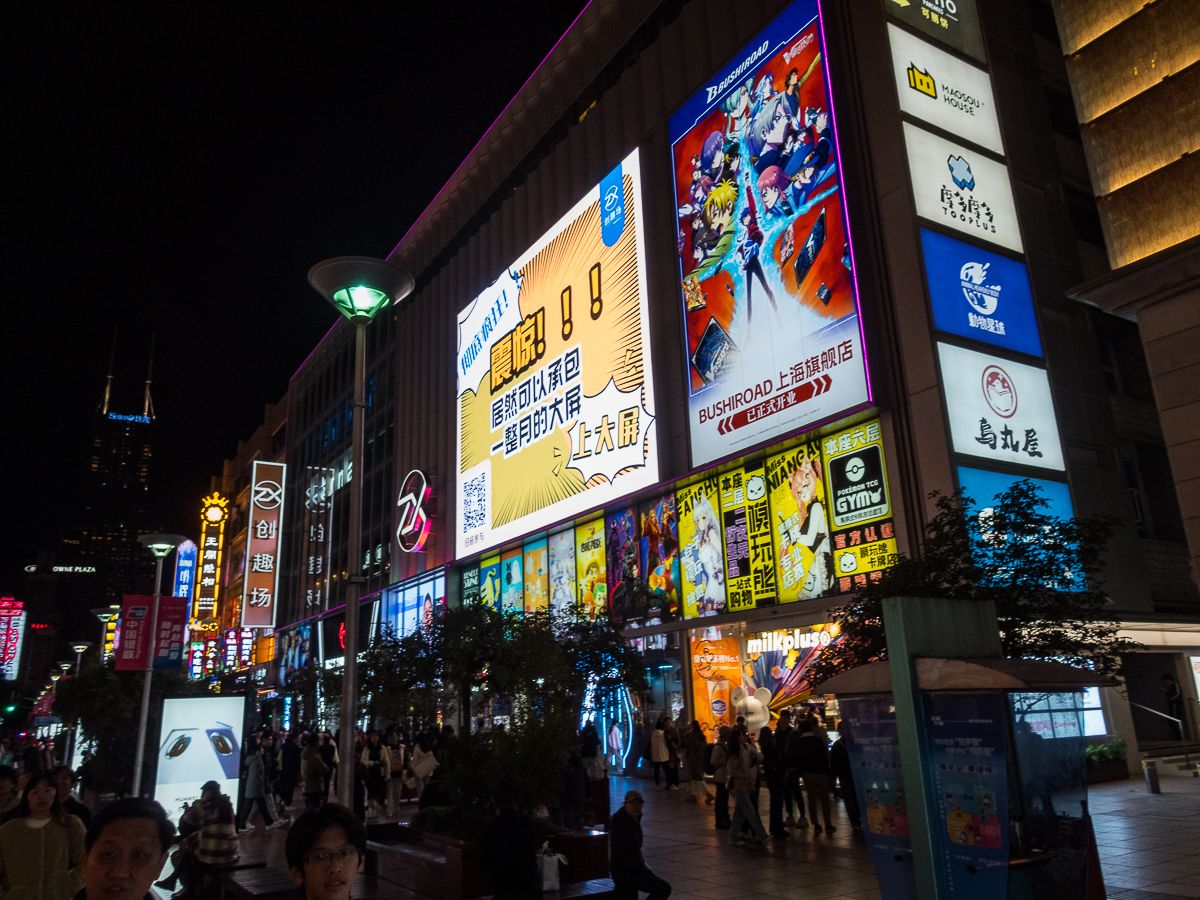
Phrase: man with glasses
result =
(325, 850)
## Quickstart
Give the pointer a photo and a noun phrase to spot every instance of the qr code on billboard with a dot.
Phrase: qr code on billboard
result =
(475, 503)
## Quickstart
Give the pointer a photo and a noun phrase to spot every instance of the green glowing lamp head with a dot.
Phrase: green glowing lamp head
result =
(359, 301)
(360, 286)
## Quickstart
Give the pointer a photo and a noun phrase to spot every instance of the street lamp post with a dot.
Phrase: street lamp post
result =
(160, 545)
(73, 737)
(358, 287)
(105, 614)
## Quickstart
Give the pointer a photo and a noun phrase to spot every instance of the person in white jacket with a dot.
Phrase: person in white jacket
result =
(377, 761)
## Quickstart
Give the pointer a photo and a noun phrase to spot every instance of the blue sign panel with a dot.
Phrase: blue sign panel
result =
(185, 569)
(983, 487)
(979, 295)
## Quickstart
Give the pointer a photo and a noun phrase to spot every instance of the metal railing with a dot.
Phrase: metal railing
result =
(1180, 724)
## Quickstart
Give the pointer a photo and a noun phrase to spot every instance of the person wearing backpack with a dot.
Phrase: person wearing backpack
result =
(814, 767)
(720, 759)
(788, 740)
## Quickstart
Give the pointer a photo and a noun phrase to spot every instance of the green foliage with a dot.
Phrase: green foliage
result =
(1039, 570)
(1109, 751)
(106, 704)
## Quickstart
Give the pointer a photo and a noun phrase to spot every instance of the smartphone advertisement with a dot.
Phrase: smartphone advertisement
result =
(200, 740)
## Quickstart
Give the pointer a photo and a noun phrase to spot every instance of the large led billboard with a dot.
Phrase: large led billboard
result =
(556, 404)
(200, 740)
(771, 316)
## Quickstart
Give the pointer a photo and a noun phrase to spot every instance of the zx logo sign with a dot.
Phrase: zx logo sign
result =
(413, 522)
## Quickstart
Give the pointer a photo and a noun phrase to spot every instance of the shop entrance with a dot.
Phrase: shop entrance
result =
(1144, 683)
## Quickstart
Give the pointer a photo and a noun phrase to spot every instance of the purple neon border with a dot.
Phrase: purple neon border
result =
(490, 127)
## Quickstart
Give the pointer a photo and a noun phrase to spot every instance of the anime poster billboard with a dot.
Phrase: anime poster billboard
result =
(556, 407)
(562, 572)
(774, 340)
(702, 548)
(660, 552)
(537, 576)
(590, 566)
(799, 523)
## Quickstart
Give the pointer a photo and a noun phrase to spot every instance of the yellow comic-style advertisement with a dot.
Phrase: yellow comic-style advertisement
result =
(701, 548)
(800, 526)
(555, 389)
(590, 567)
(489, 582)
(537, 576)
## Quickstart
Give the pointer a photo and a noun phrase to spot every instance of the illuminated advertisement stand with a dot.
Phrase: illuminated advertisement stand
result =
(200, 740)
(263, 544)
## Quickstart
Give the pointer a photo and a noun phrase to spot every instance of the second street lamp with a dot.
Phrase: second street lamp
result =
(358, 287)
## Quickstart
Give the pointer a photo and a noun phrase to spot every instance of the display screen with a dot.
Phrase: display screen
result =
(200, 740)
(292, 650)
(556, 405)
(771, 315)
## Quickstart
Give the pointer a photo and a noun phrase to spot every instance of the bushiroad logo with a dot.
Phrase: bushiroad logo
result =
(921, 82)
(960, 172)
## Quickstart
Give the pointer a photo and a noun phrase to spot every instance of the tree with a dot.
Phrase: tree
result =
(1039, 570)
(106, 705)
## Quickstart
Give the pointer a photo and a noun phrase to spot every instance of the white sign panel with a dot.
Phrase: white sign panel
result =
(200, 741)
(944, 90)
(999, 410)
(961, 188)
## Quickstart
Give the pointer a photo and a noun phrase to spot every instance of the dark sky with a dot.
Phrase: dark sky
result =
(177, 168)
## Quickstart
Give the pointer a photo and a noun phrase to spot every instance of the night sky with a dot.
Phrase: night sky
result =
(177, 169)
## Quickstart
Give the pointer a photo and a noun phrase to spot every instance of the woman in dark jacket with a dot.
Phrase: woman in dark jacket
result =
(814, 769)
(694, 745)
(773, 772)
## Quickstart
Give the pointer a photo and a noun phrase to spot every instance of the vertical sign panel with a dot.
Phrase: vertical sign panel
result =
(701, 548)
(771, 315)
(12, 629)
(860, 507)
(590, 566)
(135, 633)
(315, 525)
(200, 740)
(954, 22)
(537, 576)
(800, 523)
(660, 555)
(172, 620)
(214, 513)
(562, 572)
(262, 544)
(185, 569)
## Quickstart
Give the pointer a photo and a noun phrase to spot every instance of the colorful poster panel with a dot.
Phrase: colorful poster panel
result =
(512, 582)
(489, 582)
(590, 566)
(623, 564)
(702, 548)
(770, 306)
(555, 389)
(660, 555)
(778, 662)
(537, 576)
(716, 672)
(749, 562)
(562, 572)
(800, 526)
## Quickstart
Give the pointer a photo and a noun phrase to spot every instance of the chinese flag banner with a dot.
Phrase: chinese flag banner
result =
(262, 545)
(172, 620)
(135, 633)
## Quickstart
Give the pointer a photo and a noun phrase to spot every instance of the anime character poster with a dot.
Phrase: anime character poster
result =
(489, 581)
(555, 389)
(562, 572)
(716, 671)
(624, 564)
(590, 566)
(770, 306)
(512, 582)
(660, 554)
(701, 548)
(800, 523)
(780, 662)
(537, 576)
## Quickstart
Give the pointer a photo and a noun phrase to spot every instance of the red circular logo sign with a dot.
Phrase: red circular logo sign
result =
(999, 392)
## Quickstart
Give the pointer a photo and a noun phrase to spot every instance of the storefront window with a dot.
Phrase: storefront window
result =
(1054, 716)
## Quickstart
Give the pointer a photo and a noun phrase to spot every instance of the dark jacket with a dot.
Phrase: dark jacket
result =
(839, 762)
(77, 809)
(788, 740)
(813, 754)
(508, 851)
(625, 846)
(290, 764)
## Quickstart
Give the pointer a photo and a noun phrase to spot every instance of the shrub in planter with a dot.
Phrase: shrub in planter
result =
(1106, 761)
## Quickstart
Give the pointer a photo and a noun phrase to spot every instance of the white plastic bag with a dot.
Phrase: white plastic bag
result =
(548, 862)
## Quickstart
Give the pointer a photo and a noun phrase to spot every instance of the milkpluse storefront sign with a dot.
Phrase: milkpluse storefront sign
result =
(262, 545)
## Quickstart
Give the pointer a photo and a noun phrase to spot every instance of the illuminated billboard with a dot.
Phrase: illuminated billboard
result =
(555, 391)
(185, 569)
(214, 513)
(200, 740)
(262, 544)
(12, 637)
(771, 317)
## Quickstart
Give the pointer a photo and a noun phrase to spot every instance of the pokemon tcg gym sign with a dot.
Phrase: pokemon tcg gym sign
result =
(556, 410)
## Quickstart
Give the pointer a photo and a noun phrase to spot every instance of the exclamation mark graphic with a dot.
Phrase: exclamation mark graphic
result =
(567, 325)
(597, 303)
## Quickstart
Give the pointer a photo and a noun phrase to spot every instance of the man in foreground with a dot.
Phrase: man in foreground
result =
(125, 850)
(325, 850)
(630, 873)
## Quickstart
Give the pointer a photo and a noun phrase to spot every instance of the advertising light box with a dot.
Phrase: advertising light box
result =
(961, 189)
(771, 315)
(944, 91)
(979, 295)
(555, 390)
(200, 740)
(999, 410)
(984, 487)
(954, 22)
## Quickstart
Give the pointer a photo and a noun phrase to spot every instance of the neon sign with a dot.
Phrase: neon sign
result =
(12, 625)
(119, 417)
(414, 523)
(214, 513)
(185, 569)
(262, 544)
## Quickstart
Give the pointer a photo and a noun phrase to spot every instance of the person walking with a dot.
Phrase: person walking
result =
(674, 743)
(659, 751)
(720, 758)
(422, 763)
(377, 761)
(773, 772)
(839, 768)
(396, 782)
(329, 756)
(694, 744)
(255, 792)
(313, 772)
(42, 848)
(741, 785)
(814, 769)
(289, 769)
(630, 874)
(212, 840)
(789, 748)
(66, 784)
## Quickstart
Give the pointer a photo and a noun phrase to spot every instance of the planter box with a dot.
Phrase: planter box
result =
(446, 868)
(1109, 770)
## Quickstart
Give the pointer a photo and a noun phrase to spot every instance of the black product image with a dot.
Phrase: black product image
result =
(715, 352)
(808, 253)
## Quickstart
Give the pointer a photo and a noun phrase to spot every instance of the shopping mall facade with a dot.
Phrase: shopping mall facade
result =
(723, 296)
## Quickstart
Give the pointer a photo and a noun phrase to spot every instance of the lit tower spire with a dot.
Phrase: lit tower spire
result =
(147, 403)
(108, 384)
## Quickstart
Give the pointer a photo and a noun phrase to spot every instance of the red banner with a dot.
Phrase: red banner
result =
(135, 632)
